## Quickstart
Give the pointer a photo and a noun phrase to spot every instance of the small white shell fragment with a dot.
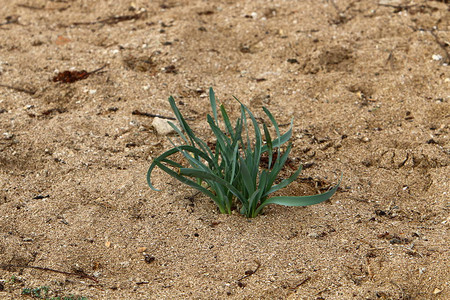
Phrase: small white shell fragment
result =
(436, 57)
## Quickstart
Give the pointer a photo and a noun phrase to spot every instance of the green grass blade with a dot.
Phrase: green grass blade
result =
(278, 142)
(212, 100)
(226, 119)
(268, 144)
(284, 183)
(209, 176)
(247, 178)
(252, 202)
(185, 180)
(272, 119)
(234, 163)
(218, 133)
(184, 125)
(299, 200)
(278, 165)
(245, 127)
(258, 142)
(178, 131)
(170, 152)
(205, 148)
(222, 205)
(193, 161)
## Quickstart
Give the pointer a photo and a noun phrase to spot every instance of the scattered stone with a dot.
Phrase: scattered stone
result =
(97, 274)
(8, 135)
(161, 126)
(316, 235)
(141, 249)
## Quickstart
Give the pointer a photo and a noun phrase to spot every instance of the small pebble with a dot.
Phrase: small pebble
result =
(141, 249)
(314, 235)
(8, 135)
(161, 126)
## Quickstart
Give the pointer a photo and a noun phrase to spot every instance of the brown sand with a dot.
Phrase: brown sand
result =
(367, 83)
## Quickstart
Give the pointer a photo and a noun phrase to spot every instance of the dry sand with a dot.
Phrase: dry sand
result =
(367, 83)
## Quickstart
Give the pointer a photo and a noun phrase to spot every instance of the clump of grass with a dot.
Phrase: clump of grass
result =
(231, 170)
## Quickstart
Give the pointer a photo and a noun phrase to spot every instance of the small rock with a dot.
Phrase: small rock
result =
(97, 274)
(107, 244)
(314, 235)
(8, 135)
(436, 57)
(161, 126)
(437, 291)
(141, 249)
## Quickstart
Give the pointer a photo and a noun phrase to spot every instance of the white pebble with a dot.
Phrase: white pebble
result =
(161, 126)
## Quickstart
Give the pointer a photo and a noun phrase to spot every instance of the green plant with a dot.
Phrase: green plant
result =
(40, 292)
(232, 168)
(43, 292)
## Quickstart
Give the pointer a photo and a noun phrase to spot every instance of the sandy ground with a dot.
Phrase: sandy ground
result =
(367, 83)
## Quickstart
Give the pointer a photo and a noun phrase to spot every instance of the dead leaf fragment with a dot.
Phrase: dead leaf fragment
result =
(72, 76)
(62, 40)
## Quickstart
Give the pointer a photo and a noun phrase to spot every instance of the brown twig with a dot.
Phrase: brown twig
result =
(398, 7)
(30, 6)
(249, 273)
(97, 70)
(192, 197)
(113, 20)
(301, 283)
(141, 113)
(18, 89)
(150, 115)
(80, 274)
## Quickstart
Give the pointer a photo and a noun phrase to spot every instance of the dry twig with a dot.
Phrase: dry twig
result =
(80, 274)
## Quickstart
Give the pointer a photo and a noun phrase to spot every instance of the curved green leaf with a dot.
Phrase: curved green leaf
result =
(207, 175)
(299, 200)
